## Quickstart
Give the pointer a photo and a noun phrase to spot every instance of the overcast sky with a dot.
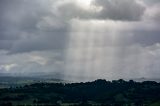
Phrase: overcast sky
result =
(80, 39)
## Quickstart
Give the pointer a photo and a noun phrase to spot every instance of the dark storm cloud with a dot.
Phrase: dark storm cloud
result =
(48, 41)
(36, 26)
(20, 30)
(5, 44)
(128, 10)
(21, 14)
(71, 10)
(124, 10)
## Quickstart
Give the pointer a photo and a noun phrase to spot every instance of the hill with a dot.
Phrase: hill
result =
(97, 93)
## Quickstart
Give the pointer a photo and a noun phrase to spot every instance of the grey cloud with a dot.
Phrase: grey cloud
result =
(124, 10)
(71, 10)
(5, 44)
(19, 31)
(8, 35)
(41, 42)
(120, 9)
(151, 2)
(21, 14)
(147, 38)
(142, 38)
(39, 63)
(152, 11)
(35, 41)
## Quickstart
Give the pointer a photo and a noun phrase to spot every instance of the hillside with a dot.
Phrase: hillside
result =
(99, 92)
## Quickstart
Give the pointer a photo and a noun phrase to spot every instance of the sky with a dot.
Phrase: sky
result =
(80, 39)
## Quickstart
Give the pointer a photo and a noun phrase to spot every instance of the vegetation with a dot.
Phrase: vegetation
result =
(97, 93)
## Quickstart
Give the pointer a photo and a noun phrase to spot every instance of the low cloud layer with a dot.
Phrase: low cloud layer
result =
(80, 38)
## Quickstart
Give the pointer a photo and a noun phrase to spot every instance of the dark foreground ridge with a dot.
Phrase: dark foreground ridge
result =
(97, 93)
